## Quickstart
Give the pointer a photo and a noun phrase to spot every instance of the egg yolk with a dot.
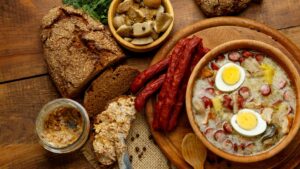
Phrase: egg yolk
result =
(246, 120)
(231, 75)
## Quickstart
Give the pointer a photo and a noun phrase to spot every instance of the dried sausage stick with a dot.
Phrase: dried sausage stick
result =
(174, 57)
(170, 98)
(150, 89)
(147, 74)
(181, 95)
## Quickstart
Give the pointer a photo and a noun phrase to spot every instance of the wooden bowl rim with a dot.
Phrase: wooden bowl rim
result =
(135, 48)
(283, 61)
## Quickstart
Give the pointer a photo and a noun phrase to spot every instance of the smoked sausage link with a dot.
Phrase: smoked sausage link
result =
(181, 95)
(175, 81)
(227, 127)
(220, 136)
(244, 92)
(265, 90)
(234, 56)
(148, 91)
(259, 57)
(174, 57)
(147, 74)
(214, 66)
(247, 54)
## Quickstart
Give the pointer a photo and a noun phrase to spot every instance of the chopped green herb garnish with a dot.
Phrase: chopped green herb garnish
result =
(96, 8)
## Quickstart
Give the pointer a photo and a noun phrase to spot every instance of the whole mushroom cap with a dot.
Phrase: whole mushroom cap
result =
(152, 3)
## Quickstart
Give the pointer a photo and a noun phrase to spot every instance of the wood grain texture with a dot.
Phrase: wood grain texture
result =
(20, 47)
(20, 29)
(33, 156)
(193, 151)
(293, 34)
(275, 13)
(215, 32)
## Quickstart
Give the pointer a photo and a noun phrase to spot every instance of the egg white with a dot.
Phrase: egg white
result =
(260, 128)
(221, 85)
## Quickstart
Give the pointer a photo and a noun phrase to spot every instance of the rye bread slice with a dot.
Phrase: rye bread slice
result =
(110, 84)
(76, 48)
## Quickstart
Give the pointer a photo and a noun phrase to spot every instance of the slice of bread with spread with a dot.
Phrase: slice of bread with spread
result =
(110, 84)
(76, 48)
(111, 125)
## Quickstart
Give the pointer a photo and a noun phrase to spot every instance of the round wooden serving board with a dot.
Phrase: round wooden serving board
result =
(215, 32)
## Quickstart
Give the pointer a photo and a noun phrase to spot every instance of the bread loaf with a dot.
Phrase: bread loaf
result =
(212, 8)
(76, 48)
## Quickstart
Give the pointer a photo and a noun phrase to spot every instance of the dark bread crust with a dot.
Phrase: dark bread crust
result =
(76, 48)
(109, 85)
(213, 8)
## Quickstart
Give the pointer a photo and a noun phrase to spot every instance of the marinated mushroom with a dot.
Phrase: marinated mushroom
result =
(269, 133)
(128, 21)
(152, 3)
(135, 14)
(154, 35)
(142, 41)
(142, 29)
(141, 21)
(128, 39)
(149, 13)
(118, 21)
(136, 5)
(125, 31)
(162, 22)
(161, 9)
(124, 6)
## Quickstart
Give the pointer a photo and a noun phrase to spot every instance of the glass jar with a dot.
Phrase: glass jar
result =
(44, 118)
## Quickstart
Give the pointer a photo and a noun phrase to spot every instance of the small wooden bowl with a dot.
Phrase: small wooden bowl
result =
(135, 48)
(282, 60)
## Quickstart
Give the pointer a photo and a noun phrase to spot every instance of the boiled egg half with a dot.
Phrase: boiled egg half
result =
(230, 77)
(248, 122)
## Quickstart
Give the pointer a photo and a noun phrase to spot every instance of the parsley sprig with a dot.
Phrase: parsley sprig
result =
(96, 8)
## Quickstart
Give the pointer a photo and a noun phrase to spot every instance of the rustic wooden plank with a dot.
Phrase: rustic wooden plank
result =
(33, 156)
(20, 66)
(20, 29)
(20, 47)
(275, 13)
(20, 103)
(293, 34)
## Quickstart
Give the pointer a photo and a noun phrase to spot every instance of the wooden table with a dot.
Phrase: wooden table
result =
(25, 85)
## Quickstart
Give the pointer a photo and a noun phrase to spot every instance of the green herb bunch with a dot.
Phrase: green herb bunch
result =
(96, 8)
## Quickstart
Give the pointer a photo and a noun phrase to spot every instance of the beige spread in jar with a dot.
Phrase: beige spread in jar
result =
(62, 127)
